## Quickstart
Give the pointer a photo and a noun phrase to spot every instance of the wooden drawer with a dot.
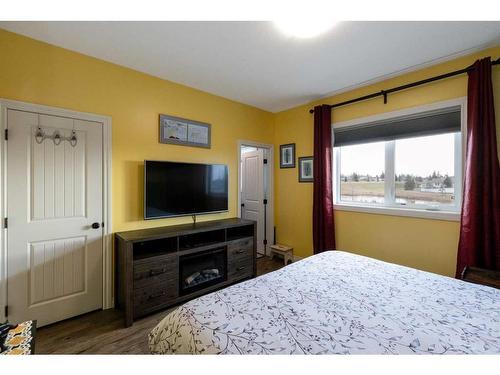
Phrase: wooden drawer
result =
(156, 266)
(240, 268)
(240, 249)
(153, 281)
(148, 298)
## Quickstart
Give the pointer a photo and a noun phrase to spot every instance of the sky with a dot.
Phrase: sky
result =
(415, 156)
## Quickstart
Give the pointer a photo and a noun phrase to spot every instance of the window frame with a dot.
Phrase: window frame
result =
(390, 207)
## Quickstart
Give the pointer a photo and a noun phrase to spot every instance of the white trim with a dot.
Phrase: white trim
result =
(390, 207)
(389, 173)
(270, 188)
(397, 211)
(108, 298)
(335, 167)
(108, 270)
(462, 101)
(460, 172)
(3, 239)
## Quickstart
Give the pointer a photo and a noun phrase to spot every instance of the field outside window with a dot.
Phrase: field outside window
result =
(418, 172)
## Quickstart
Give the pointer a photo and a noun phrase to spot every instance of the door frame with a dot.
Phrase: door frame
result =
(270, 179)
(107, 243)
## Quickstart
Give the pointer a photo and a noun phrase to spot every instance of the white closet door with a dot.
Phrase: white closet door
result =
(54, 195)
(252, 192)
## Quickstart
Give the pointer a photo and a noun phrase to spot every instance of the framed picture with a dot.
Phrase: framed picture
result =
(287, 155)
(306, 169)
(180, 131)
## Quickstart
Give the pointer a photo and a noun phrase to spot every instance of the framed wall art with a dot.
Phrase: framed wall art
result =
(287, 155)
(184, 132)
(306, 169)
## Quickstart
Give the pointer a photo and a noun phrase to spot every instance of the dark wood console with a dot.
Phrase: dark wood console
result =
(160, 267)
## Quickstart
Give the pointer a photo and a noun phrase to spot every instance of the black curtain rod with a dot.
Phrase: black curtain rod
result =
(407, 86)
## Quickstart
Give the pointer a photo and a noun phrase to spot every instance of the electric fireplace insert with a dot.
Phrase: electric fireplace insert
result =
(200, 270)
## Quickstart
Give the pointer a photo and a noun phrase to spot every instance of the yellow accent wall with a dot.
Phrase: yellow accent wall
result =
(421, 243)
(36, 72)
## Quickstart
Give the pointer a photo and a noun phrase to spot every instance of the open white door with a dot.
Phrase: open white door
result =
(54, 210)
(252, 192)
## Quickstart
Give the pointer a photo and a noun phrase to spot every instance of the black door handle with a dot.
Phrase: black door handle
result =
(95, 225)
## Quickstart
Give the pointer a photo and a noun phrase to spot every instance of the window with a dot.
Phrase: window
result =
(411, 162)
(424, 171)
(362, 173)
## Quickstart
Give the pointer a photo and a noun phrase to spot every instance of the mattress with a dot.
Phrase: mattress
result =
(336, 303)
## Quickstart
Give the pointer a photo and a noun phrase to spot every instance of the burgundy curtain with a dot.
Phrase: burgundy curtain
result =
(479, 243)
(323, 228)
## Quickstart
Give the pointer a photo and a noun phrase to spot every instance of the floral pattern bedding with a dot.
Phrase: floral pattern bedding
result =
(337, 303)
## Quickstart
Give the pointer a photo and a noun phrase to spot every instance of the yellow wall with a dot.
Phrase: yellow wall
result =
(36, 72)
(425, 244)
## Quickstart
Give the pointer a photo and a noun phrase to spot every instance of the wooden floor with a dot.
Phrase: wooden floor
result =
(102, 332)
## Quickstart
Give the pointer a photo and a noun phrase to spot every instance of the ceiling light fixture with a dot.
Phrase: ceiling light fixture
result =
(304, 28)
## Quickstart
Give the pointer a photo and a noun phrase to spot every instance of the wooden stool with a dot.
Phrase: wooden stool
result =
(283, 250)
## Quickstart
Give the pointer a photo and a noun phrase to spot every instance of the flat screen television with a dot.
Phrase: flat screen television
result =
(181, 189)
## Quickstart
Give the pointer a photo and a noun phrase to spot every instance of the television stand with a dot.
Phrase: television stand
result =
(161, 267)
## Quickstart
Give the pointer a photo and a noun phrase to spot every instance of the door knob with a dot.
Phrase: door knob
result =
(95, 225)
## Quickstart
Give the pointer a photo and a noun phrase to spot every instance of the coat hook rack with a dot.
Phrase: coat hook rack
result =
(56, 137)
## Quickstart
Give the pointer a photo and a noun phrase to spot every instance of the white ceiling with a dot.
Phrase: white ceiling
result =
(253, 63)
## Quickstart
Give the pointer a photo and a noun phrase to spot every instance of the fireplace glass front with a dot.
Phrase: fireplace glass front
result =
(200, 270)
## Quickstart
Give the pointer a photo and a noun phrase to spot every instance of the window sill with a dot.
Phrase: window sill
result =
(396, 211)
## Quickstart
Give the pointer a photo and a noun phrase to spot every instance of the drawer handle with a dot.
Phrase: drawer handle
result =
(239, 251)
(157, 272)
(157, 295)
(240, 268)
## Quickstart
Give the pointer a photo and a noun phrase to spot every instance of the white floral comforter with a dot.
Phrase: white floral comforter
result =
(337, 302)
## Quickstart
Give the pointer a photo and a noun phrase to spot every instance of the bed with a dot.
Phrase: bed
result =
(337, 303)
